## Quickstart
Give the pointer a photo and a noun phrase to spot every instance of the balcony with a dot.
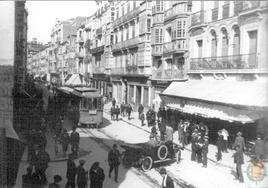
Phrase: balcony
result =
(98, 70)
(214, 15)
(169, 74)
(127, 17)
(197, 18)
(80, 54)
(133, 70)
(243, 6)
(126, 44)
(99, 31)
(168, 47)
(157, 50)
(175, 46)
(96, 50)
(245, 61)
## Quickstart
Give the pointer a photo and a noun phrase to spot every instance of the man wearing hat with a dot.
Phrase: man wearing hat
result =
(240, 141)
(167, 181)
(81, 180)
(57, 179)
(74, 139)
(239, 160)
(205, 152)
(71, 172)
(113, 160)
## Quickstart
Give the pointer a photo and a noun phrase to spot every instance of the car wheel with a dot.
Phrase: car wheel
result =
(162, 152)
(147, 163)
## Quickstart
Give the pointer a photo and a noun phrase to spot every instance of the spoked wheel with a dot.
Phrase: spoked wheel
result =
(147, 163)
(162, 152)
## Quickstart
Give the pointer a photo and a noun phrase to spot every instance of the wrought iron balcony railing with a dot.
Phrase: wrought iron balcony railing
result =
(157, 50)
(98, 49)
(127, 17)
(126, 44)
(245, 61)
(99, 70)
(175, 46)
(168, 74)
(197, 18)
(128, 70)
(168, 47)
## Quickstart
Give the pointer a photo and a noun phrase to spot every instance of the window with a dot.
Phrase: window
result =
(112, 16)
(123, 11)
(134, 4)
(122, 35)
(128, 6)
(133, 31)
(159, 5)
(127, 33)
(117, 12)
(200, 47)
(149, 25)
(158, 35)
(179, 29)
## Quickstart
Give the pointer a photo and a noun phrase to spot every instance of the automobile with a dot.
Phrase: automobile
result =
(144, 155)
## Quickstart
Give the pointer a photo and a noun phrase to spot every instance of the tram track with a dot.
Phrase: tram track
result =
(145, 177)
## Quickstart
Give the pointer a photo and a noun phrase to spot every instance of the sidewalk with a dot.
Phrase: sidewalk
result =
(217, 174)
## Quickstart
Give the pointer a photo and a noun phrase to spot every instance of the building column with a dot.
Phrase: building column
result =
(149, 96)
(134, 94)
(142, 93)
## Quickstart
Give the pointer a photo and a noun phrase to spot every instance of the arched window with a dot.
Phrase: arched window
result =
(225, 42)
(213, 43)
(236, 40)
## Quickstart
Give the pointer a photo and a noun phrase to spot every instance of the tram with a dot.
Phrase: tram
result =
(89, 105)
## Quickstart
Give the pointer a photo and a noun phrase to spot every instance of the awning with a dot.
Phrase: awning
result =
(241, 93)
(66, 90)
(226, 100)
(75, 80)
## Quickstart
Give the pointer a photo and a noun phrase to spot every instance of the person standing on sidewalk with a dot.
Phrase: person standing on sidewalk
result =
(64, 141)
(225, 135)
(74, 139)
(122, 109)
(81, 180)
(113, 102)
(96, 175)
(129, 110)
(71, 172)
(113, 160)
(219, 146)
(142, 118)
(117, 112)
(239, 160)
(258, 148)
(140, 110)
(180, 132)
(240, 141)
(42, 164)
(193, 146)
(205, 152)
(167, 182)
(112, 111)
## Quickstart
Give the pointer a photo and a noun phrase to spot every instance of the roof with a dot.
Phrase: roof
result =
(81, 92)
(240, 93)
(75, 79)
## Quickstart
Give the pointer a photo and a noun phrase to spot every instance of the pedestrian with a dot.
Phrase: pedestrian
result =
(186, 132)
(65, 139)
(71, 172)
(96, 175)
(74, 140)
(117, 112)
(113, 160)
(239, 160)
(122, 109)
(162, 130)
(219, 146)
(140, 110)
(55, 184)
(129, 110)
(225, 135)
(180, 128)
(199, 147)
(169, 139)
(205, 152)
(113, 102)
(112, 112)
(167, 182)
(27, 179)
(142, 118)
(194, 143)
(258, 148)
(81, 180)
(42, 164)
(57, 142)
(239, 140)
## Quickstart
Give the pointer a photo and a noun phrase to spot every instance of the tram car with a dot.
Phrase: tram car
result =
(144, 155)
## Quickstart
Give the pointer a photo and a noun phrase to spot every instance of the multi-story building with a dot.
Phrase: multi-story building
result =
(131, 49)
(170, 21)
(226, 65)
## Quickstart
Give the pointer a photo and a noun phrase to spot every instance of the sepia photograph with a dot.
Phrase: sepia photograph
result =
(133, 94)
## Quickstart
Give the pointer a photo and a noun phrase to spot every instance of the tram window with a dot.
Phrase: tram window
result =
(90, 104)
(99, 103)
(84, 104)
(95, 103)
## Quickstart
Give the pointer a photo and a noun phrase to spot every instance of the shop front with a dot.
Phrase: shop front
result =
(235, 106)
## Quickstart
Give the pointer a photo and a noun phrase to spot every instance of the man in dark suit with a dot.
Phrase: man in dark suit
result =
(114, 161)
(239, 160)
(167, 181)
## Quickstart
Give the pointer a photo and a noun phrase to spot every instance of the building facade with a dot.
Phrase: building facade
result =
(170, 21)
